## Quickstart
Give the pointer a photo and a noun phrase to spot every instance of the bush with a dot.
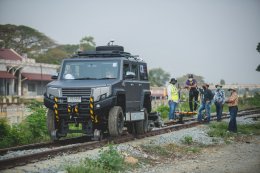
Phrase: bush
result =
(164, 110)
(32, 129)
(109, 160)
(187, 140)
(4, 128)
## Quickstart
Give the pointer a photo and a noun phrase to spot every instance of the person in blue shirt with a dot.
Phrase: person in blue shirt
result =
(219, 100)
(207, 97)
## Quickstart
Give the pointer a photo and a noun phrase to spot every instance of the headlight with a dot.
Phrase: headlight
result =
(101, 93)
(51, 91)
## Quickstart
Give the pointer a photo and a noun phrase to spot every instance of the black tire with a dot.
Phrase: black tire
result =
(115, 121)
(141, 127)
(51, 125)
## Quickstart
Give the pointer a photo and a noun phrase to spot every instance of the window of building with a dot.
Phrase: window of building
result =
(31, 87)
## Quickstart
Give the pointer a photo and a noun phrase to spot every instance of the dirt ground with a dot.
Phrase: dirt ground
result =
(238, 157)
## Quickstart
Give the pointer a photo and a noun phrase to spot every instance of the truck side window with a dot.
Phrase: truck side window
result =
(143, 72)
(126, 68)
(135, 70)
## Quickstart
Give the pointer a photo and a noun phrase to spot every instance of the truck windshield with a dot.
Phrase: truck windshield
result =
(90, 70)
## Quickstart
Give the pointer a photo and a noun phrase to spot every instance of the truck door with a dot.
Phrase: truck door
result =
(132, 87)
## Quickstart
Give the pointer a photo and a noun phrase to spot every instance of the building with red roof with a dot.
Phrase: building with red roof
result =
(22, 76)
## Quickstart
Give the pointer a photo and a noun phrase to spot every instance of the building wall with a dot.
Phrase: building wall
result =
(2, 67)
(14, 113)
(19, 86)
(34, 88)
(39, 69)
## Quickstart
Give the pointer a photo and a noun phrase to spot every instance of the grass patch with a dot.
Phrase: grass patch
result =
(171, 150)
(109, 160)
(156, 150)
(219, 129)
(187, 140)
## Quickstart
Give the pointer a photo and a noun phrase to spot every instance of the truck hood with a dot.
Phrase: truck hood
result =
(81, 83)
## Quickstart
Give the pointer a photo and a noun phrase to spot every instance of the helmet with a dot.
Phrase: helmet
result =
(173, 81)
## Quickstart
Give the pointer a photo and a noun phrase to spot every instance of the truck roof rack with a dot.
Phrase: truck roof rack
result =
(106, 51)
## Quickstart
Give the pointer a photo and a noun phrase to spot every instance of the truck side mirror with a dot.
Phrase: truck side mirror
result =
(54, 77)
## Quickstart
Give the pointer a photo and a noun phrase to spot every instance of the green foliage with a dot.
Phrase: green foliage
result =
(249, 129)
(187, 140)
(164, 110)
(32, 129)
(24, 39)
(87, 43)
(220, 130)
(258, 47)
(38, 46)
(51, 56)
(36, 123)
(87, 166)
(70, 49)
(109, 160)
(222, 82)
(57, 54)
(158, 77)
(250, 102)
(258, 68)
(4, 129)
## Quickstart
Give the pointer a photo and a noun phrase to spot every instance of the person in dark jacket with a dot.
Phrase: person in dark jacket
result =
(191, 84)
(207, 96)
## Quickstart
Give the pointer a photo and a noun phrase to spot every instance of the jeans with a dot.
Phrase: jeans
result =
(172, 106)
(219, 109)
(206, 106)
(193, 95)
(232, 126)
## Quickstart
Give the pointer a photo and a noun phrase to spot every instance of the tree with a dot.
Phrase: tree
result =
(222, 82)
(69, 48)
(258, 49)
(87, 43)
(158, 77)
(24, 39)
(51, 56)
(56, 54)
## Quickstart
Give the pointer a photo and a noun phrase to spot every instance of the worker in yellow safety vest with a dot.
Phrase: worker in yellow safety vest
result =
(173, 98)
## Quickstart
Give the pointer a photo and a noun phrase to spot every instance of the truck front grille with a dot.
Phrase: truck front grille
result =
(72, 92)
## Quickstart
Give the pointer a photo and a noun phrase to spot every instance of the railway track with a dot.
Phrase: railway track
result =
(82, 144)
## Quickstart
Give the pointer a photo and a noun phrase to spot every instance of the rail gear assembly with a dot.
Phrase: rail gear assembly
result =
(104, 90)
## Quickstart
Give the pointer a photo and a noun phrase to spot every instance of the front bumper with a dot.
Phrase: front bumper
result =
(84, 110)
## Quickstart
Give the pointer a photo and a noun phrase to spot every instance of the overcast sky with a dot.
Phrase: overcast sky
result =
(214, 39)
